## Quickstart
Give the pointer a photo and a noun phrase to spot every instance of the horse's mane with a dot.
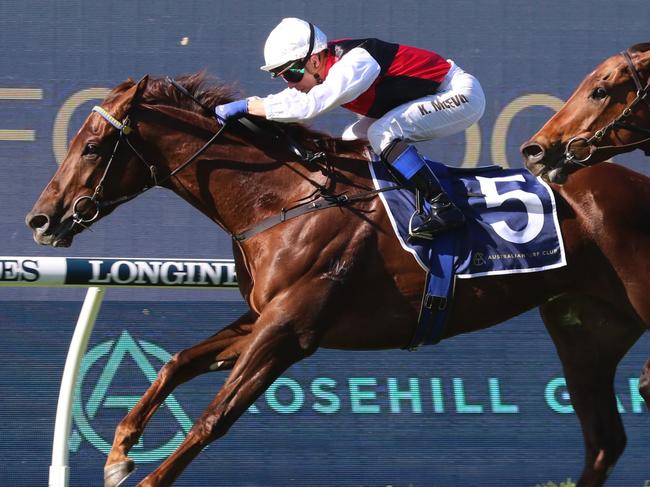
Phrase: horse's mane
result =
(211, 91)
(641, 47)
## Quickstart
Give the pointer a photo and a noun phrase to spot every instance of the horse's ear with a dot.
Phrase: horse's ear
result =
(141, 86)
(132, 96)
(139, 89)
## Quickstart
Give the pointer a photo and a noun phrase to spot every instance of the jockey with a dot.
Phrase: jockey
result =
(403, 94)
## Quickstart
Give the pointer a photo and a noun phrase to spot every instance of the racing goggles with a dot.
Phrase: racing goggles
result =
(292, 73)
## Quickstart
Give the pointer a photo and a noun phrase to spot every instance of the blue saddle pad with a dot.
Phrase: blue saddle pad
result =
(511, 227)
(512, 224)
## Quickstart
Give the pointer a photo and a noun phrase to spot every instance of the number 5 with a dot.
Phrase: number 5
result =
(531, 201)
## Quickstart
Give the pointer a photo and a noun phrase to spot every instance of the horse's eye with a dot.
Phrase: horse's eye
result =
(599, 93)
(91, 149)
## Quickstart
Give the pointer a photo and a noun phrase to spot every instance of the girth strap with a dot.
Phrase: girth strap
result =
(321, 203)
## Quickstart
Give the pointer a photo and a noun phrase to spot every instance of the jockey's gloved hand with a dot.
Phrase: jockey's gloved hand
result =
(234, 109)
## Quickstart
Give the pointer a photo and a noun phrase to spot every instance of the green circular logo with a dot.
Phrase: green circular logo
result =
(83, 414)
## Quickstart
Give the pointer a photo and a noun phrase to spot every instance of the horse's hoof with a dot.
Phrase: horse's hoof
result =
(117, 473)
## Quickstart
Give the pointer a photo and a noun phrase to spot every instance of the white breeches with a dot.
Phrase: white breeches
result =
(458, 103)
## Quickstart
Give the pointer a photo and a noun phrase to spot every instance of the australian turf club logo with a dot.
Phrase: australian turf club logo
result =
(96, 398)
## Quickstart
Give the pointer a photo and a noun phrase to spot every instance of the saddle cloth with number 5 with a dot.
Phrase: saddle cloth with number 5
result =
(512, 223)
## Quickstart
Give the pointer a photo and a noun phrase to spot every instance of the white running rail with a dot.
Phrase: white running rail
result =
(96, 274)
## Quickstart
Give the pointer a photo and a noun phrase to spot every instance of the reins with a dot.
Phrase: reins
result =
(304, 154)
(321, 201)
(318, 200)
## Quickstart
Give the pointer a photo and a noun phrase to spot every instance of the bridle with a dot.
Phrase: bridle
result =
(570, 158)
(319, 200)
(125, 128)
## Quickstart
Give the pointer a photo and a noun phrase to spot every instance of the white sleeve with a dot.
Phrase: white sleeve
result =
(346, 80)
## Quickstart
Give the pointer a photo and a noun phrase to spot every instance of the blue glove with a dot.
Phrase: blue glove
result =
(234, 109)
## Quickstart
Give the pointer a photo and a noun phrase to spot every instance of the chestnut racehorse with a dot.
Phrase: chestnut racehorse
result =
(338, 277)
(608, 114)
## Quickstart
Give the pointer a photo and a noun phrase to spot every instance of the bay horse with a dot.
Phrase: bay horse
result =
(338, 277)
(608, 114)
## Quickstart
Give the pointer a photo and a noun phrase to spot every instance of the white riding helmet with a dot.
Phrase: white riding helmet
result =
(290, 41)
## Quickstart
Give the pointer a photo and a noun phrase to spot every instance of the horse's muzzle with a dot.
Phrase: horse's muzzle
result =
(534, 154)
(45, 233)
(546, 160)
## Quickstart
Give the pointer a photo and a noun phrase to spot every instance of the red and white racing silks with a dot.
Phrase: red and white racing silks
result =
(406, 73)
(367, 76)
(400, 91)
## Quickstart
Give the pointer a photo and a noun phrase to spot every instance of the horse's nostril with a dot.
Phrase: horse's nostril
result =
(38, 222)
(533, 152)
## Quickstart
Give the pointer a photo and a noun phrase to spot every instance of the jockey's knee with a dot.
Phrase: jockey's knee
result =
(358, 130)
(383, 132)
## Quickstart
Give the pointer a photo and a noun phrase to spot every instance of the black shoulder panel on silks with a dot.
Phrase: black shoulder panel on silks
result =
(383, 52)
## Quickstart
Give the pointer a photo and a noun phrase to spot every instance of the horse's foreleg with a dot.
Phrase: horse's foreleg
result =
(218, 352)
(628, 254)
(278, 340)
(591, 337)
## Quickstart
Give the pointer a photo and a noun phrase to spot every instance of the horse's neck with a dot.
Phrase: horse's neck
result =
(236, 184)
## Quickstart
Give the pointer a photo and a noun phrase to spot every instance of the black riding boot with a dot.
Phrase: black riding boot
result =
(443, 215)
(409, 168)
